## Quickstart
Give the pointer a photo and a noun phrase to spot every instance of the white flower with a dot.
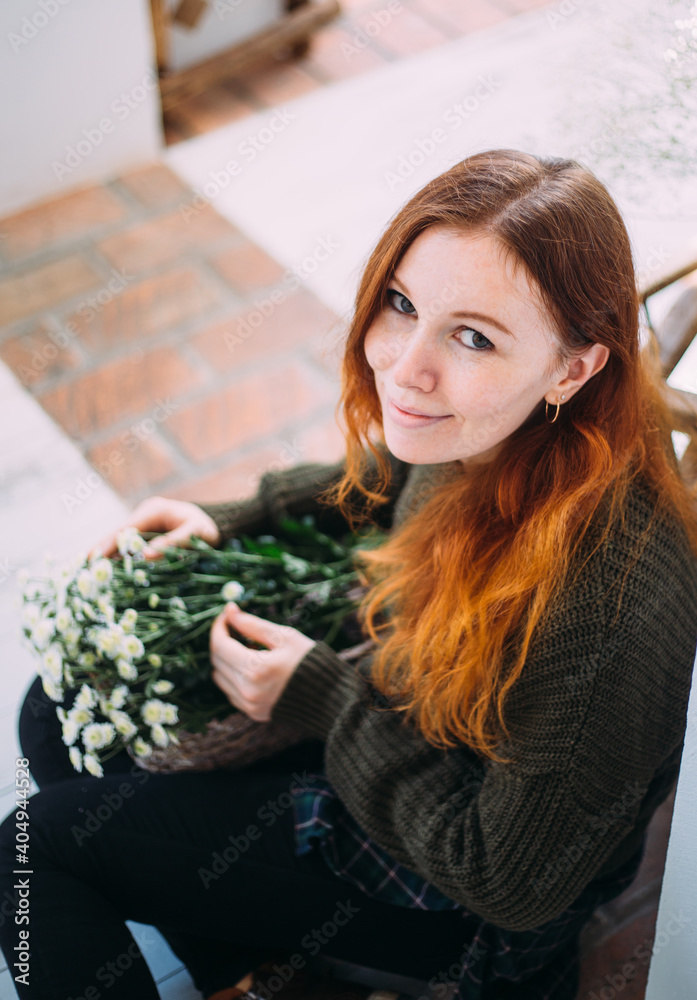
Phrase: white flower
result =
(80, 715)
(75, 758)
(141, 748)
(31, 615)
(153, 711)
(72, 636)
(154, 660)
(86, 697)
(86, 584)
(170, 713)
(71, 731)
(93, 765)
(159, 736)
(52, 662)
(232, 591)
(108, 640)
(128, 619)
(126, 670)
(54, 692)
(60, 712)
(102, 571)
(153, 600)
(98, 735)
(42, 633)
(123, 724)
(88, 610)
(129, 540)
(177, 602)
(162, 687)
(64, 620)
(87, 660)
(141, 578)
(106, 607)
(131, 647)
(119, 695)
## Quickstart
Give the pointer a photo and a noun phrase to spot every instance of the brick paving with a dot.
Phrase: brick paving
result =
(170, 349)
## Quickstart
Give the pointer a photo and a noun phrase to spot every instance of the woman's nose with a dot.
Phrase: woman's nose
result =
(417, 361)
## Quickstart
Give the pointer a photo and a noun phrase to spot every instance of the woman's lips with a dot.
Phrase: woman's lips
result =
(404, 419)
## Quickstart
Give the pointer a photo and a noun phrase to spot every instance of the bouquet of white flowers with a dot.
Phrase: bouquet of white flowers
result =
(132, 635)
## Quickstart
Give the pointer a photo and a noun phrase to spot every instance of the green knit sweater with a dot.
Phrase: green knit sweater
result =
(597, 719)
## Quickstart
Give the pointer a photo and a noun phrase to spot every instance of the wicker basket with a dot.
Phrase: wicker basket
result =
(233, 742)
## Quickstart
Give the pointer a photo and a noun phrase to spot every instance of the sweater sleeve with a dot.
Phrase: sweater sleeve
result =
(599, 709)
(294, 492)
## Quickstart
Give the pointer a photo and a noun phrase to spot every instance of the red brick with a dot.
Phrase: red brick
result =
(46, 286)
(159, 241)
(146, 308)
(237, 480)
(300, 319)
(404, 34)
(248, 410)
(132, 461)
(130, 387)
(71, 216)
(214, 108)
(155, 185)
(35, 357)
(335, 55)
(247, 267)
(321, 442)
(275, 85)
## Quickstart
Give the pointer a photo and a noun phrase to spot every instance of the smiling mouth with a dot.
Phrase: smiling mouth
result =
(406, 419)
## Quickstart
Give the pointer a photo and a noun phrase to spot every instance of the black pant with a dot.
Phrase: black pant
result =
(207, 858)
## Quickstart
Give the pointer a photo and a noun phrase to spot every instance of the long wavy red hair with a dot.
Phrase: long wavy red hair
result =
(457, 591)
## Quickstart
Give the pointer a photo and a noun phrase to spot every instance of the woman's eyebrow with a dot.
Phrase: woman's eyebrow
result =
(482, 317)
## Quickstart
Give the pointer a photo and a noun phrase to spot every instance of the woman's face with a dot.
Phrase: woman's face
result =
(464, 339)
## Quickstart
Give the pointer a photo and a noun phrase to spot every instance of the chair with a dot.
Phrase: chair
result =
(671, 340)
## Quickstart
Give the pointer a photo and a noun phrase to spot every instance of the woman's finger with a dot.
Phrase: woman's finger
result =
(268, 633)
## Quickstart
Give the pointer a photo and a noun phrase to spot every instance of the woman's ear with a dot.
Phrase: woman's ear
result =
(580, 369)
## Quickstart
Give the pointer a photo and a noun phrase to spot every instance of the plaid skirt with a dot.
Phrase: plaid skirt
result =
(495, 964)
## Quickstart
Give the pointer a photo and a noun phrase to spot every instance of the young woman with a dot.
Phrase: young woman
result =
(479, 783)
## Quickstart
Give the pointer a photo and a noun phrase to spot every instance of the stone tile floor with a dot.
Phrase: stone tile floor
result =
(127, 312)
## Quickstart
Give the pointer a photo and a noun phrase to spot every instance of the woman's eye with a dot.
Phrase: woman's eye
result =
(475, 340)
(400, 302)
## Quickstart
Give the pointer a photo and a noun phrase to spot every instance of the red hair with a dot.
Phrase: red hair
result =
(467, 579)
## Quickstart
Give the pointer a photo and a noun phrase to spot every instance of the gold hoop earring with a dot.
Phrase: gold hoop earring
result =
(547, 412)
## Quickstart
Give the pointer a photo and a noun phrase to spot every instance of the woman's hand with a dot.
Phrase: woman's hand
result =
(253, 679)
(177, 520)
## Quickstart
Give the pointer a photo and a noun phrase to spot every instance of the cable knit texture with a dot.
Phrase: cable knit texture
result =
(596, 720)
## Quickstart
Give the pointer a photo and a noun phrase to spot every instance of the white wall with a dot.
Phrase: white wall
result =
(74, 74)
(224, 23)
(673, 971)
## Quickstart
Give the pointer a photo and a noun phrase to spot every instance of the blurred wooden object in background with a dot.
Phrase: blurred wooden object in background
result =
(287, 37)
